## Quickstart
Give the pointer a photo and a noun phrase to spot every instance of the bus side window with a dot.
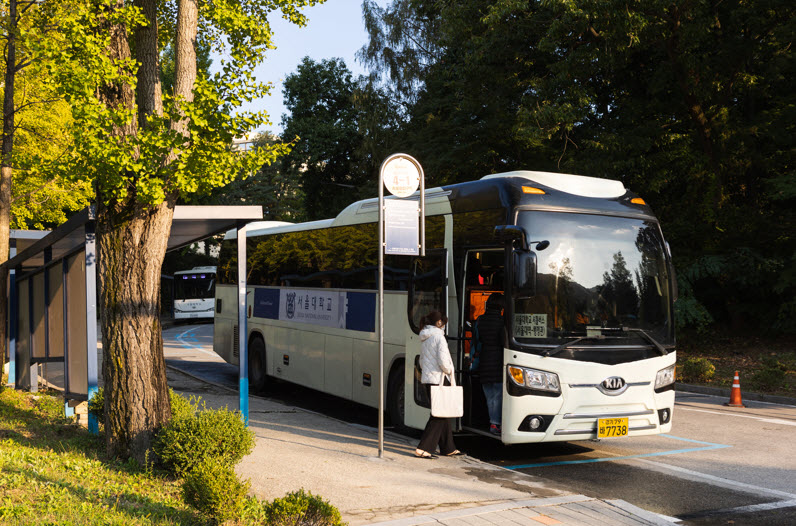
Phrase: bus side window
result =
(427, 283)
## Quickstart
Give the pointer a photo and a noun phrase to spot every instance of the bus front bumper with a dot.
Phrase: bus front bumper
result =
(582, 405)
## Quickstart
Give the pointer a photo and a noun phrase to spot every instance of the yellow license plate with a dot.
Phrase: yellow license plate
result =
(611, 427)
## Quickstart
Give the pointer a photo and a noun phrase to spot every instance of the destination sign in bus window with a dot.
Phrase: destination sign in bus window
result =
(530, 325)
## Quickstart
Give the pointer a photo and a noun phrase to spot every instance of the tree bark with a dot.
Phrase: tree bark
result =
(185, 56)
(6, 170)
(148, 92)
(131, 248)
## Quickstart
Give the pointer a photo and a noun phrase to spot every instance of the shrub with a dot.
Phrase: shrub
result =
(301, 508)
(697, 370)
(180, 406)
(210, 433)
(771, 375)
(213, 488)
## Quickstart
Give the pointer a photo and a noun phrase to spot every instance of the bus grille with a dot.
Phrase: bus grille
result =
(236, 342)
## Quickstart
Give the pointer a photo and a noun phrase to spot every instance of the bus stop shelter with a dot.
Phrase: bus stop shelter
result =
(52, 315)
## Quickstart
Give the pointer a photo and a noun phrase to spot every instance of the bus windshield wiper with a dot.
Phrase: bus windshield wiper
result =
(563, 346)
(556, 350)
(661, 349)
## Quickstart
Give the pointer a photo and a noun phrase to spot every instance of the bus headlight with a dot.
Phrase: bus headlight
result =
(533, 379)
(664, 380)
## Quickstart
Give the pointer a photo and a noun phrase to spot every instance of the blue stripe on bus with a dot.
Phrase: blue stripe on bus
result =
(266, 303)
(361, 312)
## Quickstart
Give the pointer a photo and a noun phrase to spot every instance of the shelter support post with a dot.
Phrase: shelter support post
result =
(91, 318)
(31, 379)
(243, 332)
(68, 410)
(11, 309)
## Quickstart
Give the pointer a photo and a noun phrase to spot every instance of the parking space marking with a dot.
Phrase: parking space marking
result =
(189, 341)
(739, 415)
(716, 481)
(706, 446)
(741, 509)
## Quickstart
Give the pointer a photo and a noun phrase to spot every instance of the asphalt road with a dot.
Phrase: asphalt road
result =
(719, 465)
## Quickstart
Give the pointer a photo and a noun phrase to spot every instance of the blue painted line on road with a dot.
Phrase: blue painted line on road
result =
(691, 440)
(708, 446)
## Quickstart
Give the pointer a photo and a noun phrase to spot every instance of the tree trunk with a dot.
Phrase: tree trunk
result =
(6, 170)
(148, 93)
(131, 248)
(132, 240)
(185, 56)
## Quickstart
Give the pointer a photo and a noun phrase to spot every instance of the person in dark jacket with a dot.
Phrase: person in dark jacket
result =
(489, 340)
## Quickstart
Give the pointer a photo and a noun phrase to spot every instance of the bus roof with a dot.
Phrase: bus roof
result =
(572, 184)
(561, 191)
(196, 270)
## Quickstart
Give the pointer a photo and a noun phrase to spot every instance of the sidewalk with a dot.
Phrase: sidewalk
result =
(339, 461)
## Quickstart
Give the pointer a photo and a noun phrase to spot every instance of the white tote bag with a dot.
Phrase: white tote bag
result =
(447, 401)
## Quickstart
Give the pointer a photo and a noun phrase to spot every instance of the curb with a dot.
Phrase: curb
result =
(725, 392)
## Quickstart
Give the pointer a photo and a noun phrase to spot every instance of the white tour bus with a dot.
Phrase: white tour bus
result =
(588, 315)
(194, 293)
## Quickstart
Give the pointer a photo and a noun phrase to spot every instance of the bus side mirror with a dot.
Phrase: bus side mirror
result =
(524, 273)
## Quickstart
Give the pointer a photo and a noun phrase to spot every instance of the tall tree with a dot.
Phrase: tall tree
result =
(323, 121)
(145, 149)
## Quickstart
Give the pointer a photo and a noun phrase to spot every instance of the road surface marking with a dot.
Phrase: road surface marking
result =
(728, 413)
(706, 447)
(189, 344)
(717, 481)
(742, 509)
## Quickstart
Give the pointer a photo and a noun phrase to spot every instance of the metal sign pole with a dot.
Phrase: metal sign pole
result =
(405, 186)
(381, 310)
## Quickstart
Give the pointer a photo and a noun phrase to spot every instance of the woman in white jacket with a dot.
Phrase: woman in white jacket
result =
(435, 361)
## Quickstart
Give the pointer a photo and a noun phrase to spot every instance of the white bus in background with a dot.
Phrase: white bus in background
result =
(195, 293)
(581, 262)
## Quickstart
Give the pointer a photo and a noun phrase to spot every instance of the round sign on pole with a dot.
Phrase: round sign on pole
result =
(401, 176)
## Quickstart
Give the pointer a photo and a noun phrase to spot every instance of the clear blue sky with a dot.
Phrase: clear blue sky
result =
(334, 30)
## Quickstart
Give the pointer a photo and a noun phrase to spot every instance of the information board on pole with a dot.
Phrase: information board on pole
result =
(401, 228)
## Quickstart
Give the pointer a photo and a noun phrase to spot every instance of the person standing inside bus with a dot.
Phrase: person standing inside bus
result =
(435, 362)
(489, 339)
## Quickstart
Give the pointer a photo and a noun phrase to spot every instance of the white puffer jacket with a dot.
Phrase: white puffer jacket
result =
(435, 358)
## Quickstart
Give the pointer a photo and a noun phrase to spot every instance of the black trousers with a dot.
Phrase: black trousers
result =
(438, 432)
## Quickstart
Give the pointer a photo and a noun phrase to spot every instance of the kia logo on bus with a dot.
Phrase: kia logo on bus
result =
(613, 386)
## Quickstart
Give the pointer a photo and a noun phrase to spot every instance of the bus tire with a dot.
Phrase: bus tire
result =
(257, 377)
(395, 397)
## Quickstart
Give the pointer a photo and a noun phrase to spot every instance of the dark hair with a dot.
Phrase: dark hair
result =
(495, 300)
(432, 318)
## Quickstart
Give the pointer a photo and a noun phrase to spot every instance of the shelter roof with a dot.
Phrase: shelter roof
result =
(190, 224)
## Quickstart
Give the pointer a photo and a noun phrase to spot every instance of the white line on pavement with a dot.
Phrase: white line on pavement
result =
(745, 509)
(189, 345)
(715, 481)
(725, 413)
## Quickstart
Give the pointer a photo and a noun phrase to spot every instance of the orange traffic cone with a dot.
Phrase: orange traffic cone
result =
(735, 394)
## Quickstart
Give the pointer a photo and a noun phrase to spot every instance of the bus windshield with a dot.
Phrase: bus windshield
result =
(194, 286)
(601, 276)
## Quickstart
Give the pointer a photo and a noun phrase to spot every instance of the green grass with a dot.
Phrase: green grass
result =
(54, 472)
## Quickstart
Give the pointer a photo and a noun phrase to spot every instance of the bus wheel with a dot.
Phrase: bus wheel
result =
(395, 398)
(257, 379)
